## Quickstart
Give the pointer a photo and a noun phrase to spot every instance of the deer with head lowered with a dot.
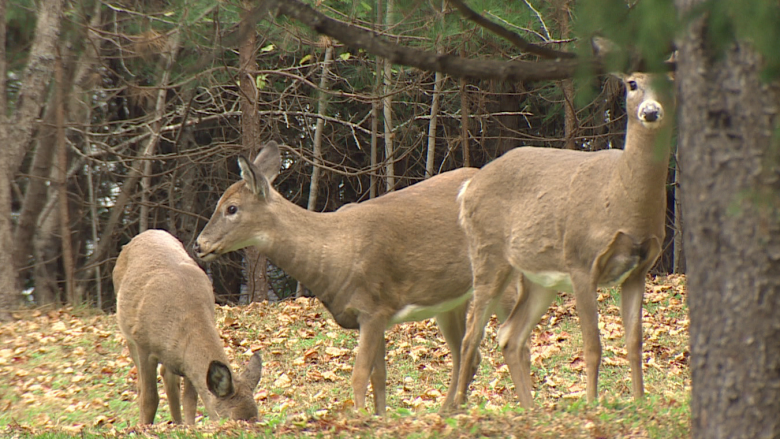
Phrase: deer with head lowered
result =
(570, 221)
(165, 310)
(399, 257)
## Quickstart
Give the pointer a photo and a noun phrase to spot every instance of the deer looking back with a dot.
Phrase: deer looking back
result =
(571, 221)
(165, 309)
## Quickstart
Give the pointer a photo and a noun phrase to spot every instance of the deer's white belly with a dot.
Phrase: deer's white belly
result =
(554, 280)
(415, 313)
(559, 281)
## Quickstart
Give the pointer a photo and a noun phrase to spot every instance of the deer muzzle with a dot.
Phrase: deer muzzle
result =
(651, 113)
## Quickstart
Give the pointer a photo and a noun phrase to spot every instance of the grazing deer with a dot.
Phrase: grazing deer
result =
(570, 221)
(396, 258)
(165, 309)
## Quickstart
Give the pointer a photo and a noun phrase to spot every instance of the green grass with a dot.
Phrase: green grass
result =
(67, 373)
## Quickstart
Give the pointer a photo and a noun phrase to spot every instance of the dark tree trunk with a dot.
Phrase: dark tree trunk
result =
(731, 185)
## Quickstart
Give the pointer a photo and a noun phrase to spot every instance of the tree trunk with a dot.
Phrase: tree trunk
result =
(731, 185)
(16, 131)
(62, 182)
(255, 263)
(168, 60)
(678, 265)
(387, 106)
(464, 115)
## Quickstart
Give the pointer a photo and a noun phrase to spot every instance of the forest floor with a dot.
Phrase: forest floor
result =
(67, 373)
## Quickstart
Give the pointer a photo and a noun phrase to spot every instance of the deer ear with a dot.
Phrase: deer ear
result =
(255, 181)
(253, 371)
(219, 380)
(269, 161)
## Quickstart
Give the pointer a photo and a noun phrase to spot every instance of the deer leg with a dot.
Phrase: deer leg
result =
(587, 309)
(372, 333)
(514, 334)
(453, 325)
(190, 401)
(631, 312)
(489, 283)
(379, 379)
(172, 385)
(147, 386)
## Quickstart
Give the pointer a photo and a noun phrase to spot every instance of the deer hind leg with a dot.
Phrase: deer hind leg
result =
(587, 310)
(172, 384)
(453, 325)
(372, 334)
(379, 379)
(514, 334)
(189, 401)
(148, 399)
(491, 276)
(631, 312)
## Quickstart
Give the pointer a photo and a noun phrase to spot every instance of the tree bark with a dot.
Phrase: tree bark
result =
(256, 264)
(169, 58)
(16, 133)
(62, 182)
(731, 185)
(387, 107)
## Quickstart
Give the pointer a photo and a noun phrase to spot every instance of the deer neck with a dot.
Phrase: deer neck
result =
(305, 246)
(641, 172)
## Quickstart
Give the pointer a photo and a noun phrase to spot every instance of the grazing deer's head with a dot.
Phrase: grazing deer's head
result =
(165, 310)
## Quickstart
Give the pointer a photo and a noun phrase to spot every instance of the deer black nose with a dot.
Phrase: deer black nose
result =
(651, 115)
(196, 247)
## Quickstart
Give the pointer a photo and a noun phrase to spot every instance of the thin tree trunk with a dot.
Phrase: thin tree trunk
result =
(169, 58)
(322, 105)
(430, 159)
(728, 153)
(464, 114)
(62, 180)
(679, 254)
(567, 86)
(438, 81)
(387, 107)
(255, 263)
(16, 132)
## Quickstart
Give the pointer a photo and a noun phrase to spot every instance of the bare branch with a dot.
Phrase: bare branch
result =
(507, 34)
(517, 71)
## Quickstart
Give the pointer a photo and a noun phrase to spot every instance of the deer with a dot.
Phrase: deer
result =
(396, 258)
(165, 310)
(572, 221)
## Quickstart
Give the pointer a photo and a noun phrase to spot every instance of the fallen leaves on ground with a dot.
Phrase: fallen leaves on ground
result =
(69, 370)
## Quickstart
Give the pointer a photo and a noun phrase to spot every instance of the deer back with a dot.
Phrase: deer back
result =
(376, 256)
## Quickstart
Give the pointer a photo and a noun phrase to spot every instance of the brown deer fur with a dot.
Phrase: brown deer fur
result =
(399, 257)
(570, 221)
(165, 309)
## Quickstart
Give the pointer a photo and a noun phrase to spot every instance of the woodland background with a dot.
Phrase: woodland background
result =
(152, 102)
(122, 116)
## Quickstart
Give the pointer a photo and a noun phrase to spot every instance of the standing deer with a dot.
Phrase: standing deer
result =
(165, 309)
(570, 221)
(399, 257)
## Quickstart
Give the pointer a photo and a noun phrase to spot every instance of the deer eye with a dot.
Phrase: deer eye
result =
(232, 209)
(632, 85)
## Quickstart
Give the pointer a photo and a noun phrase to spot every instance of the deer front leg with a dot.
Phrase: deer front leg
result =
(172, 385)
(631, 312)
(190, 401)
(587, 310)
(514, 334)
(372, 334)
(453, 325)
